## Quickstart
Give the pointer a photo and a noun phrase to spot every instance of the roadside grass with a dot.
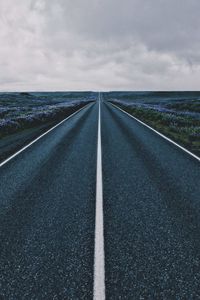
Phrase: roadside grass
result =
(192, 106)
(179, 124)
(20, 111)
(25, 116)
(25, 121)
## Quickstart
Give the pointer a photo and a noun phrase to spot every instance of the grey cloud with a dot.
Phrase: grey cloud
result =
(99, 44)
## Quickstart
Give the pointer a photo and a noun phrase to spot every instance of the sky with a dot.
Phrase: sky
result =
(49, 45)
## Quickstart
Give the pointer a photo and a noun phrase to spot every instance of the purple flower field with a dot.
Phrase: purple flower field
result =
(25, 110)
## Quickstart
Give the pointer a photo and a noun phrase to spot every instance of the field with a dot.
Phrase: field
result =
(23, 116)
(24, 110)
(175, 114)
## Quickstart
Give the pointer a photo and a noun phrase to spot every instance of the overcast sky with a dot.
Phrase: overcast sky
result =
(99, 45)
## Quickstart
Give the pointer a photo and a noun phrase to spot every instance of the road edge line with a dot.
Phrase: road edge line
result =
(160, 134)
(39, 137)
(99, 257)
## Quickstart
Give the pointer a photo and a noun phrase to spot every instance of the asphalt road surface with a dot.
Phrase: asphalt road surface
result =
(151, 210)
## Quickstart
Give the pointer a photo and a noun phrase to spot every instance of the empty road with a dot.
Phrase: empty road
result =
(147, 193)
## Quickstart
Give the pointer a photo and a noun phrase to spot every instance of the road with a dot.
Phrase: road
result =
(151, 213)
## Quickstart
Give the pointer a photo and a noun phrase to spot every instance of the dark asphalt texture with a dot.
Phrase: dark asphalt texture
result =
(47, 214)
(151, 196)
(151, 213)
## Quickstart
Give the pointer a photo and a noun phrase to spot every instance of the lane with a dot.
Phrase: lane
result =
(160, 134)
(151, 213)
(99, 259)
(47, 214)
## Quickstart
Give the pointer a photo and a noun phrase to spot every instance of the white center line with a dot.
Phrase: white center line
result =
(99, 259)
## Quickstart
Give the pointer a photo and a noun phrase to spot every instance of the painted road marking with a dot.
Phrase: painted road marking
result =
(160, 134)
(99, 257)
(31, 143)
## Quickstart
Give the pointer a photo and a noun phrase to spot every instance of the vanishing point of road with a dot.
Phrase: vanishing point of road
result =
(100, 207)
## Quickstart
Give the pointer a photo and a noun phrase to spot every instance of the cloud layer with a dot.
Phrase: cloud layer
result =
(99, 45)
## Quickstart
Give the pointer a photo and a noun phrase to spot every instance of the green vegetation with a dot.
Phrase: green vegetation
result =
(192, 106)
(182, 128)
